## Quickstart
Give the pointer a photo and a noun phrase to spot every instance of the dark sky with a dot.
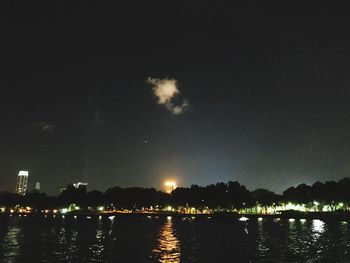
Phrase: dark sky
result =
(266, 87)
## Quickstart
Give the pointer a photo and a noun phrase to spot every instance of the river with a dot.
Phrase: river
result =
(128, 238)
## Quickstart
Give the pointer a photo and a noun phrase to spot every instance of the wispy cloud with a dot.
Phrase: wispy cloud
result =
(166, 90)
(44, 126)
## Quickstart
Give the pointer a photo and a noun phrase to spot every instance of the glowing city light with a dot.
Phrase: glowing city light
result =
(23, 173)
(170, 186)
(80, 184)
(64, 210)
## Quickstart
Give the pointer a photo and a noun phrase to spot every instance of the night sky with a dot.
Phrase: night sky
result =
(130, 95)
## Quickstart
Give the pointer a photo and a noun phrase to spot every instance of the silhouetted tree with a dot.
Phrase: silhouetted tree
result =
(73, 195)
(95, 198)
(8, 199)
(266, 198)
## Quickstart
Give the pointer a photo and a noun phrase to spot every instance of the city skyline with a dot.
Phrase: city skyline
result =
(200, 93)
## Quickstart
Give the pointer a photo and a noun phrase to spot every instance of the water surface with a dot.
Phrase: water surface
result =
(130, 238)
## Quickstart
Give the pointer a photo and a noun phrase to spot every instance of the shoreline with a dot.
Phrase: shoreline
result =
(343, 216)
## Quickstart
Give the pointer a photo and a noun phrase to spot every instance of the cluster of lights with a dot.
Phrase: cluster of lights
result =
(278, 208)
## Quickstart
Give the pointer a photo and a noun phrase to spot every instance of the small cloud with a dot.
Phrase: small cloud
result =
(166, 90)
(177, 110)
(44, 126)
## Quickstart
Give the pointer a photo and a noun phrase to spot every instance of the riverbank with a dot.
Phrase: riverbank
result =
(344, 216)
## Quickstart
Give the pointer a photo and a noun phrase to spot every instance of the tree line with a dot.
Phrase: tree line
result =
(219, 196)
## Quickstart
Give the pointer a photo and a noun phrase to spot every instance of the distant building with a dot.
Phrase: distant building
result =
(80, 185)
(22, 182)
(37, 187)
(169, 186)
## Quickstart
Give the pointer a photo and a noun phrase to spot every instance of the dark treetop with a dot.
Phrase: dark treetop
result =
(228, 196)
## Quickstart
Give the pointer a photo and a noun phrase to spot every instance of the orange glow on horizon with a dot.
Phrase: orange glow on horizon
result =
(170, 186)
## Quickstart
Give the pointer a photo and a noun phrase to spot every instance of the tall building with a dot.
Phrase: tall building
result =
(37, 187)
(22, 182)
(169, 186)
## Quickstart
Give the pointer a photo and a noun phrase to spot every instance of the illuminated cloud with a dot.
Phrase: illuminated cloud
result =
(165, 91)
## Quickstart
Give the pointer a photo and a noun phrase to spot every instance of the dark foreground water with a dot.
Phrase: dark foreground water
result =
(128, 238)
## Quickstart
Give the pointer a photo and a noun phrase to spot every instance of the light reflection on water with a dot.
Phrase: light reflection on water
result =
(318, 227)
(168, 249)
(11, 244)
(67, 246)
(97, 247)
(139, 239)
